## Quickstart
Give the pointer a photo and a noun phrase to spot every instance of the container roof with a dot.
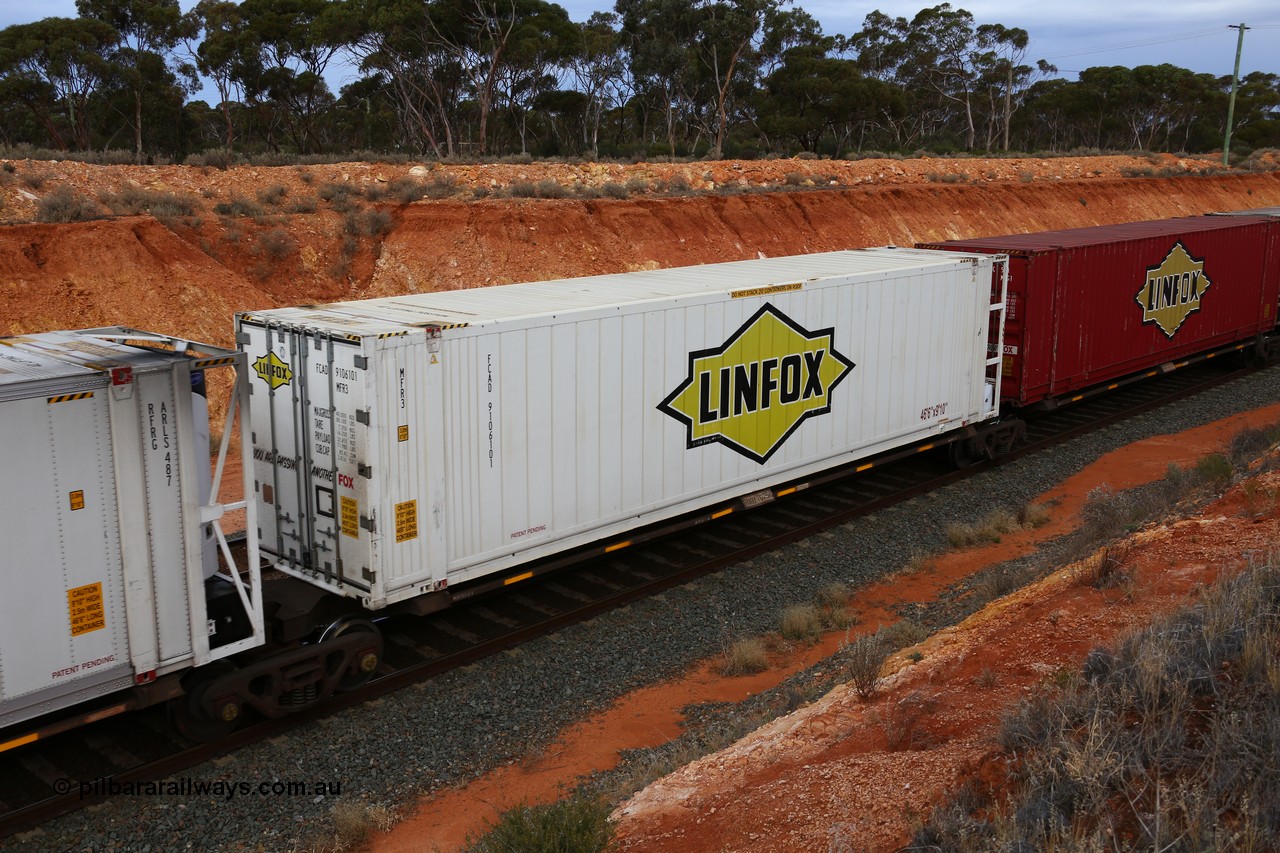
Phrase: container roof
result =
(1257, 211)
(1044, 241)
(61, 355)
(547, 298)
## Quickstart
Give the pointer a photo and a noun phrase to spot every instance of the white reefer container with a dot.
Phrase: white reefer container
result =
(408, 444)
(109, 518)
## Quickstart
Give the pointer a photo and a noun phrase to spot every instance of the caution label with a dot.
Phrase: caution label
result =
(350, 517)
(402, 432)
(406, 521)
(84, 605)
(77, 499)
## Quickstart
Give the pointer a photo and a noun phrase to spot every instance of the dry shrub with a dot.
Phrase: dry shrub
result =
(1106, 568)
(576, 825)
(902, 720)
(746, 657)
(1171, 737)
(801, 623)
(64, 204)
(132, 201)
(1259, 500)
(238, 206)
(863, 660)
(277, 244)
(273, 195)
(614, 189)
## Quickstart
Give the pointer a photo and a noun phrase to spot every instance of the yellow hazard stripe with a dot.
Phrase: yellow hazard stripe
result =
(19, 741)
(214, 362)
(454, 326)
(62, 398)
(392, 334)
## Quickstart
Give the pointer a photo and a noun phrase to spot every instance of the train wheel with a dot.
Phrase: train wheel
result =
(366, 661)
(966, 452)
(201, 717)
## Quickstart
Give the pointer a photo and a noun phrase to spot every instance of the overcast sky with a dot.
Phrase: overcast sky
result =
(1071, 34)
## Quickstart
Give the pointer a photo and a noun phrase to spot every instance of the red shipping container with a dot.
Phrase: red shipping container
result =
(1091, 305)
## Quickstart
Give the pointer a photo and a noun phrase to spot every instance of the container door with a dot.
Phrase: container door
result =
(335, 414)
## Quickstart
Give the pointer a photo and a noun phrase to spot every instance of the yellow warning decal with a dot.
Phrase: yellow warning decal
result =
(84, 603)
(77, 499)
(402, 432)
(765, 291)
(63, 398)
(406, 521)
(350, 511)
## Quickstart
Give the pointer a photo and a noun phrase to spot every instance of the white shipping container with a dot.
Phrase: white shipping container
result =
(111, 517)
(408, 444)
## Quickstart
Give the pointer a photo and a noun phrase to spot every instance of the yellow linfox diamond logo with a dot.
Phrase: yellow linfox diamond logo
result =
(273, 371)
(756, 389)
(1173, 289)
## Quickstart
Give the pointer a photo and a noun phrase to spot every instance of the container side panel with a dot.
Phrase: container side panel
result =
(640, 414)
(565, 439)
(161, 456)
(61, 550)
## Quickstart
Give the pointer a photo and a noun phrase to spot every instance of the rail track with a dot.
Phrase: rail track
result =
(43, 780)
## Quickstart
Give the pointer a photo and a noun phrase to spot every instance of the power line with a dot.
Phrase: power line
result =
(1143, 43)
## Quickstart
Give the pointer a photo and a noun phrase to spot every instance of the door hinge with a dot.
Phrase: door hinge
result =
(362, 416)
(364, 471)
(361, 362)
(368, 524)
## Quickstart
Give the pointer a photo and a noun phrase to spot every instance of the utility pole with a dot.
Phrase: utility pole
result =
(1235, 82)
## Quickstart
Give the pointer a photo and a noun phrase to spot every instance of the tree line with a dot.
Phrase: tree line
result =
(482, 78)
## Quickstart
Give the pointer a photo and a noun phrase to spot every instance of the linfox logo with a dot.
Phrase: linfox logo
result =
(1173, 289)
(753, 391)
(273, 371)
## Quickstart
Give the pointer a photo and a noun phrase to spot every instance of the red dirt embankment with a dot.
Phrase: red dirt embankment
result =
(447, 246)
(189, 278)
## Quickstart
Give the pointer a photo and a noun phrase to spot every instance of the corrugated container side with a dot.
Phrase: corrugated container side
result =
(1087, 306)
(480, 447)
(556, 432)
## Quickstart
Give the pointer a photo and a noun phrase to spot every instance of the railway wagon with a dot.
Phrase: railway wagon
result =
(119, 573)
(406, 445)
(1092, 305)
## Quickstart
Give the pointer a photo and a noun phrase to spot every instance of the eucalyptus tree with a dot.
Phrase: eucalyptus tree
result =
(149, 32)
(55, 64)
(219, 42)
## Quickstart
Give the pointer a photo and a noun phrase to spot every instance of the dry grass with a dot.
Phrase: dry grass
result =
(801, 623)
(746, 657)
(1168, 741)
(997, 524)
(353, 824)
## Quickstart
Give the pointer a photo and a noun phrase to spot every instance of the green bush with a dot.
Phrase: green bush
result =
(569, 826)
